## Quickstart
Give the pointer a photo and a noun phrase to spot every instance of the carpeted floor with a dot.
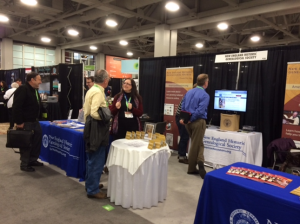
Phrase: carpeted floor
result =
(46, 196)
(3, 128)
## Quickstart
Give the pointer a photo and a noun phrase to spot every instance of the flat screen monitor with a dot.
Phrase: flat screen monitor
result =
(230, 100)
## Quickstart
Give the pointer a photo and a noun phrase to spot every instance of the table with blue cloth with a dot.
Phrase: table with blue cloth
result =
(231, 199)
(65, 148)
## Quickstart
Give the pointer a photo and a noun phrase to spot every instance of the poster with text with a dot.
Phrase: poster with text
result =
(178, 82)
(291, 113)
(113, 66)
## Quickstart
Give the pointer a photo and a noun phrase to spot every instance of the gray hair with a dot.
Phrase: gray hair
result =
(14, 85)
(101, 75)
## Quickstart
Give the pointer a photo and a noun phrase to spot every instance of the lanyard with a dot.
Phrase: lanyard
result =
(37, 97)
(127, 101)
(103, 92)
(200, 87)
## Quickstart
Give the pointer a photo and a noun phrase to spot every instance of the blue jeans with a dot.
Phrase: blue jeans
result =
(184, 138)
(94, 167)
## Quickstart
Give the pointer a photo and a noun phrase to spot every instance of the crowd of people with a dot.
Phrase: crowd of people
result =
(126, 108)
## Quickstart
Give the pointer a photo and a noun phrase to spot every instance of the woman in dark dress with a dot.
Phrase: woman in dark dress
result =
(126, 108)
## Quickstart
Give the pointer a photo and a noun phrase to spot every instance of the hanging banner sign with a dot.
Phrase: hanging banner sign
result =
(239, 57)
(178, 82)
(291, 111)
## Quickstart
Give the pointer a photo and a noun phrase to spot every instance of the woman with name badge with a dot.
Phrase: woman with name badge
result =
(126, 108)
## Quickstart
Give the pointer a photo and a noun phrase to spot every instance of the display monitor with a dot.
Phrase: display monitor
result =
(230, 100)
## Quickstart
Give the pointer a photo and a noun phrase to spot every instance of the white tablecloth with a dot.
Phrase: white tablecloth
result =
(225, 148)
(137, 175)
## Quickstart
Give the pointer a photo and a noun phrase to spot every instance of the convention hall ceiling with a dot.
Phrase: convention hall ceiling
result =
(275, 21)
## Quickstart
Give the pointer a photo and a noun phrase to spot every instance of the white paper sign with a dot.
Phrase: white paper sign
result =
(245, 56)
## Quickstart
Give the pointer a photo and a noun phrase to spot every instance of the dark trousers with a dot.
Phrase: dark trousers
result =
(28, 155)
(184, 138)
(126, 124)
(196, 130)
(11, 122)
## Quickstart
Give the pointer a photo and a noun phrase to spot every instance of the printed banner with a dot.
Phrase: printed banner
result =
(178, 82)
(246, 56)
(291, 113)
(113, 66)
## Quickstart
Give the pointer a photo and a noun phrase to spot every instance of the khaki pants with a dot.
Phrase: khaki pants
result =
(196, 131)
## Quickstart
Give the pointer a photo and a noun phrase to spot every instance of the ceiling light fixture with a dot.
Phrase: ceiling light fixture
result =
(172, 6)
(73, 32)
(199, 45)
(255, 38)
(111, 23)
(3, 18)
(123, 42)
(46, 39)
(129, 53)
(93, 48)
(29, 2)
(222, 26)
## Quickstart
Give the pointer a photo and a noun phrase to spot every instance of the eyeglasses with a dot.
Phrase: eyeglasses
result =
(126, 83)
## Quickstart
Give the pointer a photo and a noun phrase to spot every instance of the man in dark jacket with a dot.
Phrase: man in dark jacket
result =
(26, 112)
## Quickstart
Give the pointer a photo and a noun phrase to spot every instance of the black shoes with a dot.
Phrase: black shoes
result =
(27, 169)
(202, 171)
(194, 172)
(183, 160)
(36, 163)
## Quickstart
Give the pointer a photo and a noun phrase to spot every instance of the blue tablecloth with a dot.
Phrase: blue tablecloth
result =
(230, 199)
(65, 148)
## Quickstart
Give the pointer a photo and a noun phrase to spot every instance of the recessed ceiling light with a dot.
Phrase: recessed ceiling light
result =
(111, 23)
(129, 53)
(3, 18)
(73, 32)
(93, 48)
(172, 6)
(46, 39)
(29, 2)
(222, 26)
(255, 38)
(123, 42)
(199, 45)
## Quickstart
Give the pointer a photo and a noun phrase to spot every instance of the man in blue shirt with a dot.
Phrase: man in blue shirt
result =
(196, 102)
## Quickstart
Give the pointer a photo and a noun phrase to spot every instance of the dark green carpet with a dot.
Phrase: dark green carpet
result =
(46, 196)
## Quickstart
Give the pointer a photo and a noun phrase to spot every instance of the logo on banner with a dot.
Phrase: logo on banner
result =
(241, 216)
(227, 122)
(45, 141)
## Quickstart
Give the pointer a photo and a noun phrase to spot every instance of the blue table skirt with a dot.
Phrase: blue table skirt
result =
(65, 148)
(230, 199)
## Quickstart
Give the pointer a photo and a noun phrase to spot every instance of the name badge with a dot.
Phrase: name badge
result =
(128, 114)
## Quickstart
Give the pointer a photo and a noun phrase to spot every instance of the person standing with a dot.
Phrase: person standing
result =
(89, 81)
(96, 135)
(184, 137)
(196, 102)
(27, 109)
(126, 108)
(19, 81)
(9, 96)
(3, 89)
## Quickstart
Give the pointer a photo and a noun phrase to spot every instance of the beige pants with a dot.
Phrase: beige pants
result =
(196, 132)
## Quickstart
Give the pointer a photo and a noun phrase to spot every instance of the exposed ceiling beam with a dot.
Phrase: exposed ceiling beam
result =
(58, 18)
(110, 38)
(278, 6)
(276, 27)
(231, 2)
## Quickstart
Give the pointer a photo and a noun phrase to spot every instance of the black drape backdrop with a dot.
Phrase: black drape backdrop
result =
(264, 81)
(153, 76)
(75, 95)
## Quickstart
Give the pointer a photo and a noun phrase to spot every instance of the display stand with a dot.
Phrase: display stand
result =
(230, 122)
